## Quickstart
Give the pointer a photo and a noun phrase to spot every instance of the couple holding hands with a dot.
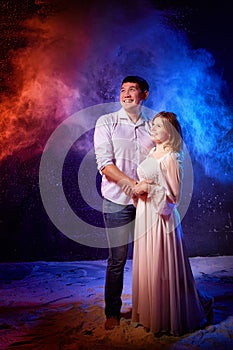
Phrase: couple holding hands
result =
(141, 166)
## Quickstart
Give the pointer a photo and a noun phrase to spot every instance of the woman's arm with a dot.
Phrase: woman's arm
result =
(172, 174)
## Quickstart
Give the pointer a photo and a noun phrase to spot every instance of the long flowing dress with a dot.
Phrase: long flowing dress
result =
(164, 295)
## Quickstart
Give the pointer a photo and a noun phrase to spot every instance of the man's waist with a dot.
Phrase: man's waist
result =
(114, 193)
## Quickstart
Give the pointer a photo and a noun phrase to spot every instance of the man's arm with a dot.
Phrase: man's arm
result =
(113, 173)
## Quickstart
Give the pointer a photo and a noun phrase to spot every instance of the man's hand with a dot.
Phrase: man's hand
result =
(127, 186)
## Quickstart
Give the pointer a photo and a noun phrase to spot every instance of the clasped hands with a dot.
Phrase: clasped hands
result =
(134, 189)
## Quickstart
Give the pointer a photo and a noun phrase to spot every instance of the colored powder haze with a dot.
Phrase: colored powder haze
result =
(77, 57)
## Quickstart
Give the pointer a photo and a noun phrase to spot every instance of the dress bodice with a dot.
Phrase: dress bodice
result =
(150, 169)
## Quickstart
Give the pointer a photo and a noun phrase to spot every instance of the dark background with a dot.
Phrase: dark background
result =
(26, 232)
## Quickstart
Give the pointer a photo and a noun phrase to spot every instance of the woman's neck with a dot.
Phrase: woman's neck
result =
(162, 148)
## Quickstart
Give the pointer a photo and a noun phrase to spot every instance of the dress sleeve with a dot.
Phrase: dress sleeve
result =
(171, 172)
(165, 194)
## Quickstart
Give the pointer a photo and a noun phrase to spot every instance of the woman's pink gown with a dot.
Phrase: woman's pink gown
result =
(164, 296)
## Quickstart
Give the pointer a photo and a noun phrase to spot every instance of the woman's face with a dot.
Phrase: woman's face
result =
(159, 133)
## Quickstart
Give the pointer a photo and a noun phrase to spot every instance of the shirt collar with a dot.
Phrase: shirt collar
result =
(124, 116)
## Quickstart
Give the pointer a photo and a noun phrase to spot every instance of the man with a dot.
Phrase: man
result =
(121, 142)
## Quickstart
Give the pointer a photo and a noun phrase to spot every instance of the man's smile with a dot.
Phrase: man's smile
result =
(128, 100)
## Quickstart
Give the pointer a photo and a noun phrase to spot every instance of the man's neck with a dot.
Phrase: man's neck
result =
(134, 115)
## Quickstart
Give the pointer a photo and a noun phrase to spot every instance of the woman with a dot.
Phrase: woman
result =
(164, 295)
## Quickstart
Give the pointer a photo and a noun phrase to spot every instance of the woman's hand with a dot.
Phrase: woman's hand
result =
(141, 188)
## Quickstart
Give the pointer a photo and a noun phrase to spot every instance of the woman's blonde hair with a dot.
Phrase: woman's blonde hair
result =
(173, 127)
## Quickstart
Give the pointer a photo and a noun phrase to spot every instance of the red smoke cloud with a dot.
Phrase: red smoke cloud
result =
(46, 81)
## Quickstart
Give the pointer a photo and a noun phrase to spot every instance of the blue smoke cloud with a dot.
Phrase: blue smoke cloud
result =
(141, 41)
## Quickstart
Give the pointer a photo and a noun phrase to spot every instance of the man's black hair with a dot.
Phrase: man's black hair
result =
(144, 86)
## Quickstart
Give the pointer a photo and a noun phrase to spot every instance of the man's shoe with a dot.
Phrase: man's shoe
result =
(111, 322)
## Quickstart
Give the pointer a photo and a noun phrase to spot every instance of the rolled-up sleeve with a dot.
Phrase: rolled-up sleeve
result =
(103, 143)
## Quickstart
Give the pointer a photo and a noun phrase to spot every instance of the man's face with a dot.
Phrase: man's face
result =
(131, 96)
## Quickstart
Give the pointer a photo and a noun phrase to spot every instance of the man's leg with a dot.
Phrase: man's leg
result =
(118, 220)
(114, 284)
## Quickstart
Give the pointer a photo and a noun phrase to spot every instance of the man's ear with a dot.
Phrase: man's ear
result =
(146, 94)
